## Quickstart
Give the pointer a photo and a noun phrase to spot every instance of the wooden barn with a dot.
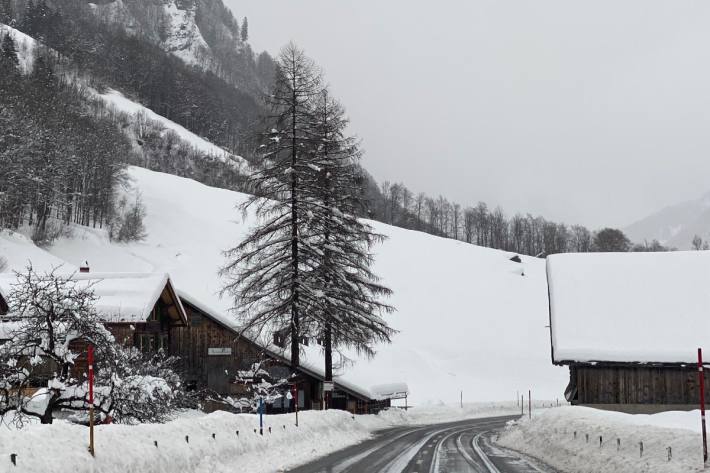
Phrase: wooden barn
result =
(213, 353)
(628, 326)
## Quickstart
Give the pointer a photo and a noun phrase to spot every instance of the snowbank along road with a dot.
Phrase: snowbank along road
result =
(458, 447)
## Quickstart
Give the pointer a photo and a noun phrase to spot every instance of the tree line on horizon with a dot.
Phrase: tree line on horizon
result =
(397, 205)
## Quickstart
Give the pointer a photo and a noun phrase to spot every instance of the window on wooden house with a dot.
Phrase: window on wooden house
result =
(304, 341)
(146, 342)
(155, 314)
(278, 339)
(164, 342)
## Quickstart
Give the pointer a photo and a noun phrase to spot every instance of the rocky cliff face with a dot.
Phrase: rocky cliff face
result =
(203, 33)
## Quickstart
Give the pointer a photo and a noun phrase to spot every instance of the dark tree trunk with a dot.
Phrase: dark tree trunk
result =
(295, 329)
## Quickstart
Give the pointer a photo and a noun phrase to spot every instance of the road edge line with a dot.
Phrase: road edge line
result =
(486, 461)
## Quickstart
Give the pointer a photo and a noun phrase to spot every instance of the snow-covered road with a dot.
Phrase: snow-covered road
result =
(458, 447)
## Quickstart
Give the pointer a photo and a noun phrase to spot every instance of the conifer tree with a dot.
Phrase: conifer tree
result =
(267, 271)
(245, 29)
(6, 11)
(348, 313)
(8, 50)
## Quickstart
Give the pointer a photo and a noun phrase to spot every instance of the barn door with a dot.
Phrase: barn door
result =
(218, 374)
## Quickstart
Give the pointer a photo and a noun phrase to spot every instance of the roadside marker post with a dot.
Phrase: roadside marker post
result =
(91, 399)
(701, 381)
(261, 416)
(294, 394)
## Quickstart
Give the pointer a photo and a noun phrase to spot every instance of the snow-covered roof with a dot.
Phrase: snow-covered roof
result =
(122, 297)
(629, 307)
(7, 328)
(390, 391)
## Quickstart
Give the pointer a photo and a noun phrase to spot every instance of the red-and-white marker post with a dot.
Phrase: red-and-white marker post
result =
(701, 381)
(91, 399)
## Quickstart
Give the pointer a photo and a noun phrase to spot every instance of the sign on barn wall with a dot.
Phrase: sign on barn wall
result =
(327, 386)
(219, 351)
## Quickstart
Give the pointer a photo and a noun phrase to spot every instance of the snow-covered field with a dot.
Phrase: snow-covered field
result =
(467, 319)
(550, 436)
(62, 447)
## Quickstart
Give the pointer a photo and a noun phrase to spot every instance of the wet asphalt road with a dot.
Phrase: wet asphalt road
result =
(457, 447)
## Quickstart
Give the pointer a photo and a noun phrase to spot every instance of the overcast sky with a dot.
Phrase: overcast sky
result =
(586, 112)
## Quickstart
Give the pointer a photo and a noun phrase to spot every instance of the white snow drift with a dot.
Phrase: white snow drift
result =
(187, 443)
(550, 436)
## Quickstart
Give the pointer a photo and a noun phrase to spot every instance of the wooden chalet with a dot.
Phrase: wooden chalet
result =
(213, 352)
(144, 310)
(139, 309)
(628, 326)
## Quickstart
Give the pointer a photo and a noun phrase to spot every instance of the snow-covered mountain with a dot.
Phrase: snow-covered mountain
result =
(675, 226)
(468, 319)
(170, 24)
(203, 33)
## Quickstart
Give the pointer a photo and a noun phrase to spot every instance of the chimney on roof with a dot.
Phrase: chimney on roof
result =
(84, 268)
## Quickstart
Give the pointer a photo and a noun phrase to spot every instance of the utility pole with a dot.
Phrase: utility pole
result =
(529, 404)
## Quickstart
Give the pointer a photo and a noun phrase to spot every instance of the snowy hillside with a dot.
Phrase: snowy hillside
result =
(137, 111)
(676, 225)
(202, 33)
(25, 46)
(134, 110)
(468, 319)
(19, 251)
(179, 36)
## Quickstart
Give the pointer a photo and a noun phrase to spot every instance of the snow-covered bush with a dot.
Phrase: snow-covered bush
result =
(127, 223)
(143, 388)
(260, 385)
(51, 322)
(45, 235)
